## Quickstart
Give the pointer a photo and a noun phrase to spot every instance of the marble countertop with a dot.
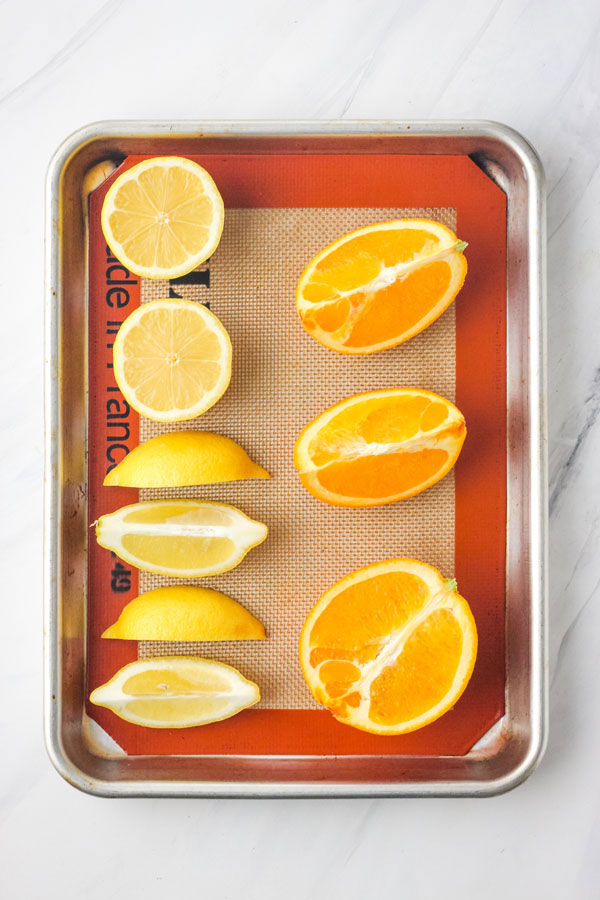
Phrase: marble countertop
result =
(532, 65)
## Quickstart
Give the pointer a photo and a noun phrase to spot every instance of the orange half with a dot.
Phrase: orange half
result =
(389, 648)
(380, 285)
(379, 447)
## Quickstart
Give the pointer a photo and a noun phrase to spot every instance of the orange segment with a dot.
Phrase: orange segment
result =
(379, 447)
(376, 480)
(381, 285)
(389, 648)
(422, 673)
(348, 623)
(399, 308)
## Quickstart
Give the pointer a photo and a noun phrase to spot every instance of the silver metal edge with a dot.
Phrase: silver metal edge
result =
(51, 470)
(538, 456)
(538, 462)
(538, 459)
(270, 127)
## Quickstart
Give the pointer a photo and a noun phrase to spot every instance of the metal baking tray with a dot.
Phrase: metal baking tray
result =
(513, 747)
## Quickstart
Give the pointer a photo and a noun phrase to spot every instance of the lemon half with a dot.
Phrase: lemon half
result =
(163, 217)
(172, 359)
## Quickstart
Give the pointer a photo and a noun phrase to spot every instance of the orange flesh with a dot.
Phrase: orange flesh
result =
(362, 616)
(398, 308)
(423, 672)
(382, 476)
(388, 312)
(380, 287)
(355, 626)
(384, 420)
(380, 620)
(338, 676)
(365, 451)
(360, 259)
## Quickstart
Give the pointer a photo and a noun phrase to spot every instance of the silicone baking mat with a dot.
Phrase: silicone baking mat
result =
(280, 210)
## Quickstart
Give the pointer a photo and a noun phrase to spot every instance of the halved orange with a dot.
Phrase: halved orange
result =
(380, 285)
(389, 648)
(379, 447)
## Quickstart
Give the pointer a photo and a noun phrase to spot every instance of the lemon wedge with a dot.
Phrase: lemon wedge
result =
(183, 458)
(185, 613)
(176, 692)
(184, 538)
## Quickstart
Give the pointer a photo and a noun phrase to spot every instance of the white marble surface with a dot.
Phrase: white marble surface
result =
(534, 65)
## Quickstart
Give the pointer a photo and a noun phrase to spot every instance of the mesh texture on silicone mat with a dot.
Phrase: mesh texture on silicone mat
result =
(282, 379)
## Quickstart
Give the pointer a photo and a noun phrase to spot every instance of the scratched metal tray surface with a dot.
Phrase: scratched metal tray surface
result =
(514, 746)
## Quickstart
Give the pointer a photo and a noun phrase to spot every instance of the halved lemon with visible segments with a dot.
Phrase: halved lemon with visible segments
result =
(389, 648)
(176, 692)
(184, 538)
(379, 447)
(185, 613)
(172, 359)
(380, 285)
(163, 217)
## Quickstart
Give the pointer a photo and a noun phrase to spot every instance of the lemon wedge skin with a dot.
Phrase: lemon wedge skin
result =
(185, 613)
(182, 458)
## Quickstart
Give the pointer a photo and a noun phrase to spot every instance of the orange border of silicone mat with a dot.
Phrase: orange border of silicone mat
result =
(384, 180)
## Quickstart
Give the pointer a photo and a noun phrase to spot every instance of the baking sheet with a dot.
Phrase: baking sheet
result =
(282, 378)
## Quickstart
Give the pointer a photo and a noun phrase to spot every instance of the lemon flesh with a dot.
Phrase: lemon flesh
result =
(172, 359)
(185, 613)
(184, 458)
(163, 217)
(183, 538)
(176, 692)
